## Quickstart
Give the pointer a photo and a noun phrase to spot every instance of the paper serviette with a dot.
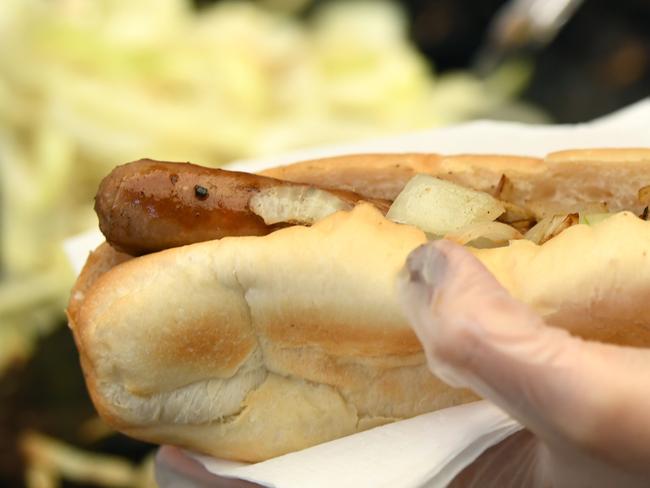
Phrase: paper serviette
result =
(421, 451)
(428, 450)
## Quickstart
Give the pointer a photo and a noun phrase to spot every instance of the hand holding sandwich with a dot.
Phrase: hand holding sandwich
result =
(585, 404)
(248, 316)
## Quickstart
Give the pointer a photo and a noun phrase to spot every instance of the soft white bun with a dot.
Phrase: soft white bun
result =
(591, 280)
(247, 348)
(250, 347)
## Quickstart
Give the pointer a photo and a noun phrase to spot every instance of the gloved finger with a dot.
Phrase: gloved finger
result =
(473, 332)
(514, 462)
(566, 390)
(173, 468)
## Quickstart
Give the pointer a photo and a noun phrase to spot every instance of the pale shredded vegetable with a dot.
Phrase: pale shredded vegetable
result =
(49, 461)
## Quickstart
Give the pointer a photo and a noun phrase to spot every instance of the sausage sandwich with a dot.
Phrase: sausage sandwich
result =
(247, 316)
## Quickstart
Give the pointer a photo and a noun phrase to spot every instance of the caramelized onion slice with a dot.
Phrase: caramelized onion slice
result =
(485, 234)
(549, 227)
(644, 195)
(504, 188)
(543, 209)
(515, 213)
(523, 226)
(296, 204)
(439, 207)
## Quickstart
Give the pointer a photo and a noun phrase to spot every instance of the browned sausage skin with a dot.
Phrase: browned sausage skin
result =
(146, 206)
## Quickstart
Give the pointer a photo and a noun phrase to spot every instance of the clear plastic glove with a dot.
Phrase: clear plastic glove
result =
(175, 469)
(586, 405)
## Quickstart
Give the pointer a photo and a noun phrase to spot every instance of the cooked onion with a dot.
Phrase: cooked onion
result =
(515, 213)
(644, 195)
(523, 226)
(439, 207)
(496, 233)
(504, 188)
(300, 204)
(543, 210)
(549, 227)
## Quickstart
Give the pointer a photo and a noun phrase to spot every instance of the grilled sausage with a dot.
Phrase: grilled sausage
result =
(146, 206)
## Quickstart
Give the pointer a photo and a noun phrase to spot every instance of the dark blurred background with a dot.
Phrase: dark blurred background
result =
(49, 436)
(599, 62)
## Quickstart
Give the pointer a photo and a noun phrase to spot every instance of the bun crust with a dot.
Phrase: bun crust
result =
(593, 281)
(566, 177)
(251, 347)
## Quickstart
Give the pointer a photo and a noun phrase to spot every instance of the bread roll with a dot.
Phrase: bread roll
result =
(251, 347)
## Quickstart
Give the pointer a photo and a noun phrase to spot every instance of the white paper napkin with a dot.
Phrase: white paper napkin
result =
(431, 449)
(422, 451)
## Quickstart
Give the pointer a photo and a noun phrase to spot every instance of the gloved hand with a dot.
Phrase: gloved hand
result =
(175, 469)
(586, 405)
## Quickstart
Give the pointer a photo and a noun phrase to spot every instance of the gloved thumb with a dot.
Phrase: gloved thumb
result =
(567, 391)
